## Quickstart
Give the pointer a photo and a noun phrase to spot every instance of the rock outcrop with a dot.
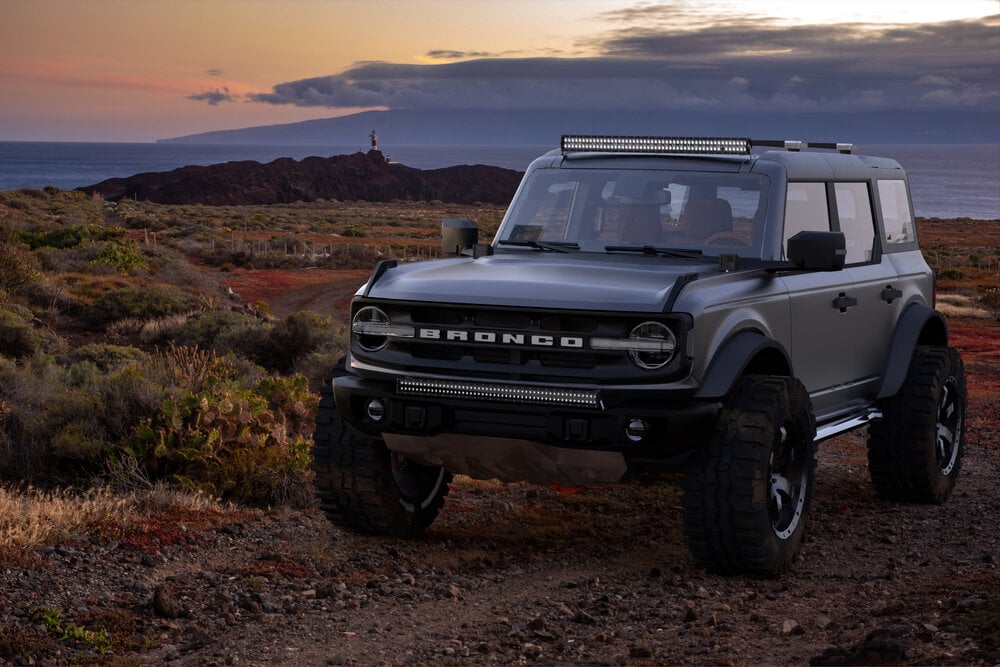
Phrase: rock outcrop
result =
(360, 176)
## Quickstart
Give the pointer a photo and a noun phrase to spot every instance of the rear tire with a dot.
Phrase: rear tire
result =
(747, 495)
(360, 483)
(915, 450)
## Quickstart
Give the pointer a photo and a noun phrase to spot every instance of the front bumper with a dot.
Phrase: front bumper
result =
(420, 415)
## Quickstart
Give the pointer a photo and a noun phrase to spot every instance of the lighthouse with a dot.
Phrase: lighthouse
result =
(374, 136)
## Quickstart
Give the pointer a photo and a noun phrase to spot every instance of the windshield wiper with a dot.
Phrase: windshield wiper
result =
(680, 253)
(550, 246)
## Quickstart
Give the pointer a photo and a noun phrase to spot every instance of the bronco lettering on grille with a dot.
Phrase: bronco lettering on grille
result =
(499, 338)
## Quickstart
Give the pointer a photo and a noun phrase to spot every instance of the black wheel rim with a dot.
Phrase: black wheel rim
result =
(417, 484)
(948, 437)
(788, 481)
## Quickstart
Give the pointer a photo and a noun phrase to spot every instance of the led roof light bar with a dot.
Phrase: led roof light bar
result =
(627, 144)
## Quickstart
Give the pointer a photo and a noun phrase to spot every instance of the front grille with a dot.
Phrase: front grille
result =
(515, 344)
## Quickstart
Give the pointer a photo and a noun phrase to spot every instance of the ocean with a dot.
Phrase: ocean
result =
(946, 180)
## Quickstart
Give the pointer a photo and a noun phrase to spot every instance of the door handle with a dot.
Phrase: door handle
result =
(890, 294)
(843, 302)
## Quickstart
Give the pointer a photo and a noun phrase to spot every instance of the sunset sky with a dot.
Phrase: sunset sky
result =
(140, 70)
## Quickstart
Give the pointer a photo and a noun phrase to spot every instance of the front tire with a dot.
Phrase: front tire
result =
(915, 450)
(362, 484)
(747, 495)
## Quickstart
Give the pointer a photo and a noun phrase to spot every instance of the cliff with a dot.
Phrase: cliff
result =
(361, 176)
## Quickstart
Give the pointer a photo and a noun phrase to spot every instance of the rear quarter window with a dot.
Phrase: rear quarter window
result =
(854, 209)
(897, 219)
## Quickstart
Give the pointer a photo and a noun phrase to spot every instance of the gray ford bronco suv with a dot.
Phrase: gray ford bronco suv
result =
(648, 304)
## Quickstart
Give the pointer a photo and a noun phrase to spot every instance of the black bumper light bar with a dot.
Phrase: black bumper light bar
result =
(503, 393)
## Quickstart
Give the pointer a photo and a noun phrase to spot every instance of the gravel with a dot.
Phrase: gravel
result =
(517, 574)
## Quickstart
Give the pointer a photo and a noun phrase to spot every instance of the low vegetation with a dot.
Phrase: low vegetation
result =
(125, 361)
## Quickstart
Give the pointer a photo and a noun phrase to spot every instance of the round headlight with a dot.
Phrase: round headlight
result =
(657, 345)
(369, 342)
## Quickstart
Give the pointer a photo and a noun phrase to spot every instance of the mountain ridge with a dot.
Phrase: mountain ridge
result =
(543, 128)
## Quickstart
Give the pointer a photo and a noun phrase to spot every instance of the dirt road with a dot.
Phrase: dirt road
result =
(518, 574)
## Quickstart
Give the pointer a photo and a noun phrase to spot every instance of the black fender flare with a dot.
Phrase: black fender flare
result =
(918, 325)
(734, 359)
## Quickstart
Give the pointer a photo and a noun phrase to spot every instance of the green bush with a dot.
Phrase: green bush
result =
(105, 357)
(71, 236)
(61, 421)
(231, 442)
(18, 338)
(17, 265)
(122, 256)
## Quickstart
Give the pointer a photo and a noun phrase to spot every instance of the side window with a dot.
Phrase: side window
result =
(805, 210)
(855, 210)
(896, 212)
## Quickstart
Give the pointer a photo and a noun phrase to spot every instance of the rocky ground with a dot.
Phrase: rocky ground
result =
(518, 574)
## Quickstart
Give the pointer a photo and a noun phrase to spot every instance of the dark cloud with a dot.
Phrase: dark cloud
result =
(214, 72)
(444, 54)
(214, 97)
(645, 63)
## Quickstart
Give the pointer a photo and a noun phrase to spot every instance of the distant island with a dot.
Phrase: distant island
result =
(478, 127)
(357, 177)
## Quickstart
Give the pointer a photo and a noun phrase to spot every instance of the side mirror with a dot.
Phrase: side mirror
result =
(817, 251)
(457, 235)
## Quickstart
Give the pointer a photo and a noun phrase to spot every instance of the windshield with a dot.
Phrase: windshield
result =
(604, 210)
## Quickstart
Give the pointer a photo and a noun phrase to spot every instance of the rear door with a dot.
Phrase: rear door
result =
(874, 283)
(827, 327)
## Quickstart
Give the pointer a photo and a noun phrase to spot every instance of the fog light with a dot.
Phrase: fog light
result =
(375, 410)
(636, 430)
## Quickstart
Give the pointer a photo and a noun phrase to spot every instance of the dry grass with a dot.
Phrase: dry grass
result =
(33, 517)
(960, 305)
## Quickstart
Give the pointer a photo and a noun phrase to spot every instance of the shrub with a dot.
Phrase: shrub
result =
(105, 357)
(295, 336)
(18, 338)
(17, 265)
(71, 236)
(144, 302)
(951, 274)
(277, 346)
(989, 296)
(318, 364)
(249, 339)
(351, 257)
(202, 330)
(231, 442)
(122, 256)
(60, 422)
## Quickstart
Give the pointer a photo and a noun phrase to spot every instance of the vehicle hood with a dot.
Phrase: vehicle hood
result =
(579, 281)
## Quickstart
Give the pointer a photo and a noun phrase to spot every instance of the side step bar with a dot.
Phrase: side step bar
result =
(846, 424)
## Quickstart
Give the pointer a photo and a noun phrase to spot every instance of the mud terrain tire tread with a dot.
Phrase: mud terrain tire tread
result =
(354, 481)
(725, 498)
(901, 446)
